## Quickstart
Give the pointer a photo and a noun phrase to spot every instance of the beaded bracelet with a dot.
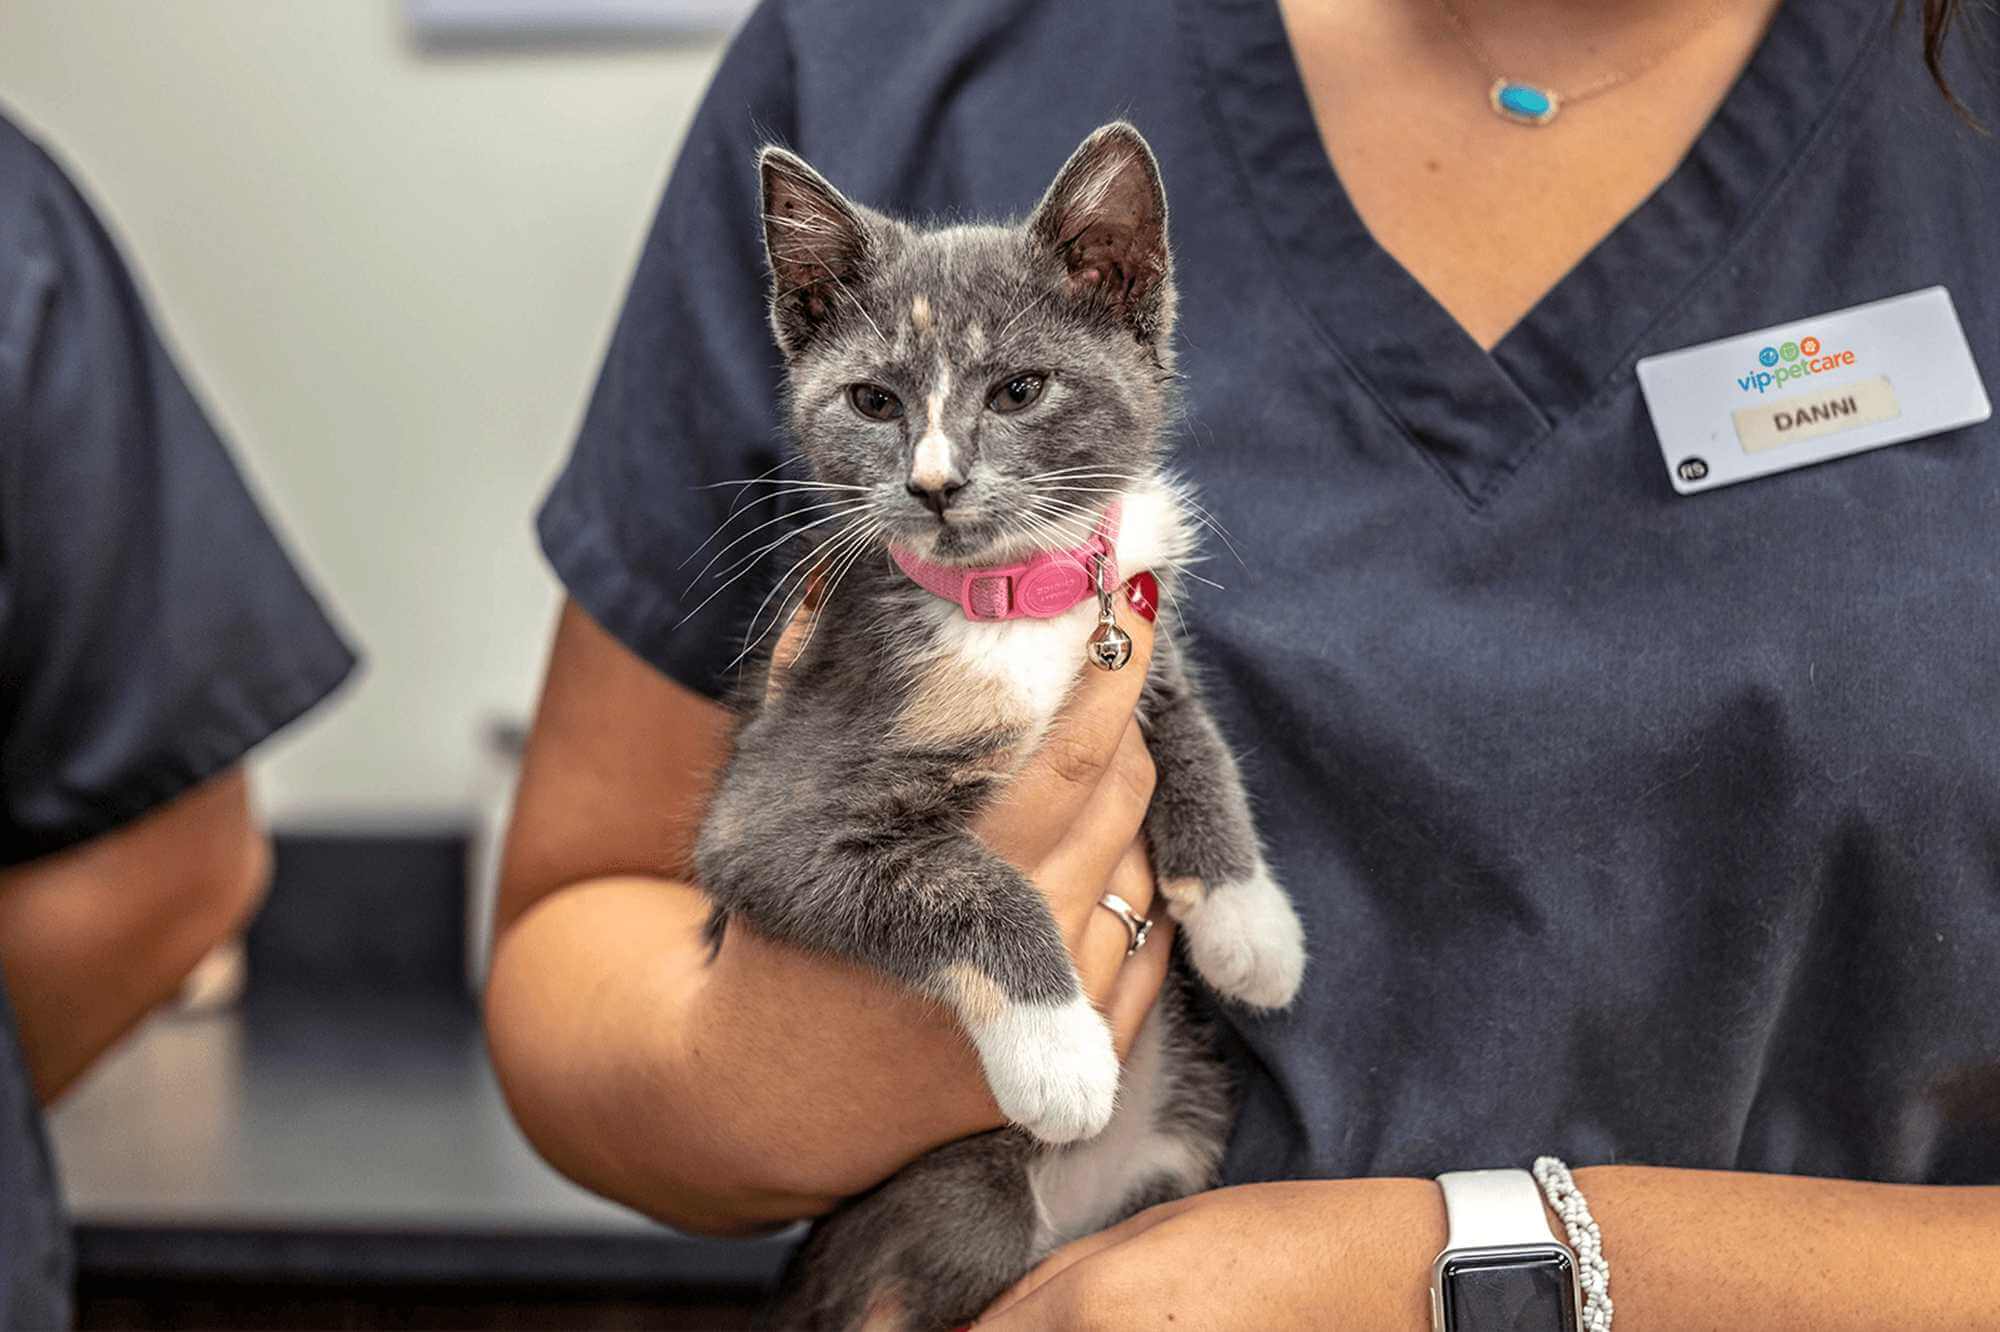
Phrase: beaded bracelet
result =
(1594, 1274)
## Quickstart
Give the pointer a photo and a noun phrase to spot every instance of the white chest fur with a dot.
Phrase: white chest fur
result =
(1036, 661)
(1079, 1189)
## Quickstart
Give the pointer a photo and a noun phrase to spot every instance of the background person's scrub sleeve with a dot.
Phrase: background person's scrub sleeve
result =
(1626, 826)
(152, 630)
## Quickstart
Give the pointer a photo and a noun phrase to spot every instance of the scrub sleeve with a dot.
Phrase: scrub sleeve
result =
(686, 401)
(152, 628)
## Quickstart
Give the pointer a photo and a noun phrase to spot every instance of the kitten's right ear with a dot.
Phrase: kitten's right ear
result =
(1106, 216)
(817, 243)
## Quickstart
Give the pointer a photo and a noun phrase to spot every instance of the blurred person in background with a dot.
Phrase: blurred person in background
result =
(1642, 829)
(152, 632)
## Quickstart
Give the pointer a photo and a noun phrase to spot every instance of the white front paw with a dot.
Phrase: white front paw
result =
(1052, 1068)
(1245, 940)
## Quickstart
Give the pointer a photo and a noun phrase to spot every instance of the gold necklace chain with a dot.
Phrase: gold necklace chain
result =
(1555, 100)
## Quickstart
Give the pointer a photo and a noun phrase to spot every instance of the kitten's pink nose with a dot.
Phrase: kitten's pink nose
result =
(935, 490)
(934, 472)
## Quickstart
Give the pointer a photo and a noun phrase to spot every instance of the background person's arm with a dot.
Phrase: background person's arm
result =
(92, 937)
(731, 1097)
(153, 631)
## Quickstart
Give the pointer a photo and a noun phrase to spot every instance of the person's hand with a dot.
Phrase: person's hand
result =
(1070, 821)
(1312, 1254)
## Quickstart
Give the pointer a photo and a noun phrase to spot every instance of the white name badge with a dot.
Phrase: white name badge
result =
(1811, 390)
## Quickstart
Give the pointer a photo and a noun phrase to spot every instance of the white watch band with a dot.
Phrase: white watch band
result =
(1494, 1209)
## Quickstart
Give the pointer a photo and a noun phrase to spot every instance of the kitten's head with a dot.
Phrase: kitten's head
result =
(985, 388)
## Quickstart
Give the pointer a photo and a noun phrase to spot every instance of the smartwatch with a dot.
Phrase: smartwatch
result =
(1502, 1269)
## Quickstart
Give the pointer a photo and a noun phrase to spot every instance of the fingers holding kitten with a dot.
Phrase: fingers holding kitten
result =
(1135, 985)
(798, 631)
(1102, 841)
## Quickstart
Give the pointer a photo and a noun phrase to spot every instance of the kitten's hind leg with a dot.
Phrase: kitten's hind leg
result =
(1241, 932)
(927, 1250)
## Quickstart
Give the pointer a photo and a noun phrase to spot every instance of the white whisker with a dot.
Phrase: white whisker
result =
(826, 597)
(803, 483)
(1194, 506)
(1068, 529)
(1026, 306)
(768, 522)
(808, 563)
(1059, 531)
(834, 277)
(1182, 571)
(782, 463)
(743, 566)
(824, 557)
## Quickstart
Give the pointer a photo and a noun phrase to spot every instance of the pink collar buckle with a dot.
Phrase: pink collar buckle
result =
(1041, 587)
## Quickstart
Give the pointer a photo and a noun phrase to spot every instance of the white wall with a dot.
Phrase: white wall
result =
(391, 276)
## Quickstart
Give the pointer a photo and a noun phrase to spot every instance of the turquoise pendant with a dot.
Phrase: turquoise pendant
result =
(1523, 103)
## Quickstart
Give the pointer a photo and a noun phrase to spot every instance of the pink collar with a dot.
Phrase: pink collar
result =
(1045, 585)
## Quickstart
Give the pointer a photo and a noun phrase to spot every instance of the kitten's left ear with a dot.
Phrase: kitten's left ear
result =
(817, 243)
(1106, 216)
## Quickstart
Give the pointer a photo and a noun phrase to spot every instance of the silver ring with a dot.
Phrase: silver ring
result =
(1137, 927)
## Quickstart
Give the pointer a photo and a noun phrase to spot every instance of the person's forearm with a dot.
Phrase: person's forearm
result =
(1696, 1250)
(718, 1098)
(93, 937)
(1690, 1251)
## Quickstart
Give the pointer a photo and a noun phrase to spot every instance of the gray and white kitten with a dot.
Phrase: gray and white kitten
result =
(977, 392)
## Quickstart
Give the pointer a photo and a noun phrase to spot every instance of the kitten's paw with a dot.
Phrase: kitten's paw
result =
(1244, 939)
(1052, 1068)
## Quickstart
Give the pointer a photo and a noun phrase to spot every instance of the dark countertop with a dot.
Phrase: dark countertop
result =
(342, 1134)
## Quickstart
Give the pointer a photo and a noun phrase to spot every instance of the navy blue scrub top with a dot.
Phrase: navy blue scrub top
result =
(1625, 826)
(152, 629)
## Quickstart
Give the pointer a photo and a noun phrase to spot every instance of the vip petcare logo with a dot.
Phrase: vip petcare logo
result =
(1788, 361)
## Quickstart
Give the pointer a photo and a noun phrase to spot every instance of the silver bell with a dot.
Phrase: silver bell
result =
(1109, 647)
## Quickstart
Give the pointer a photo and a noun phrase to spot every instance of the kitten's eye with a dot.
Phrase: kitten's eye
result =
(875, 402)
(1016, 393)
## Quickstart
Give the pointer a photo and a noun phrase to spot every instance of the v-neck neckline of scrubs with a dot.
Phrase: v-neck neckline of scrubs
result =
(1478, 412)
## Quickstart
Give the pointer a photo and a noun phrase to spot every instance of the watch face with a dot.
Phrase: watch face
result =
(1526, 1292)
